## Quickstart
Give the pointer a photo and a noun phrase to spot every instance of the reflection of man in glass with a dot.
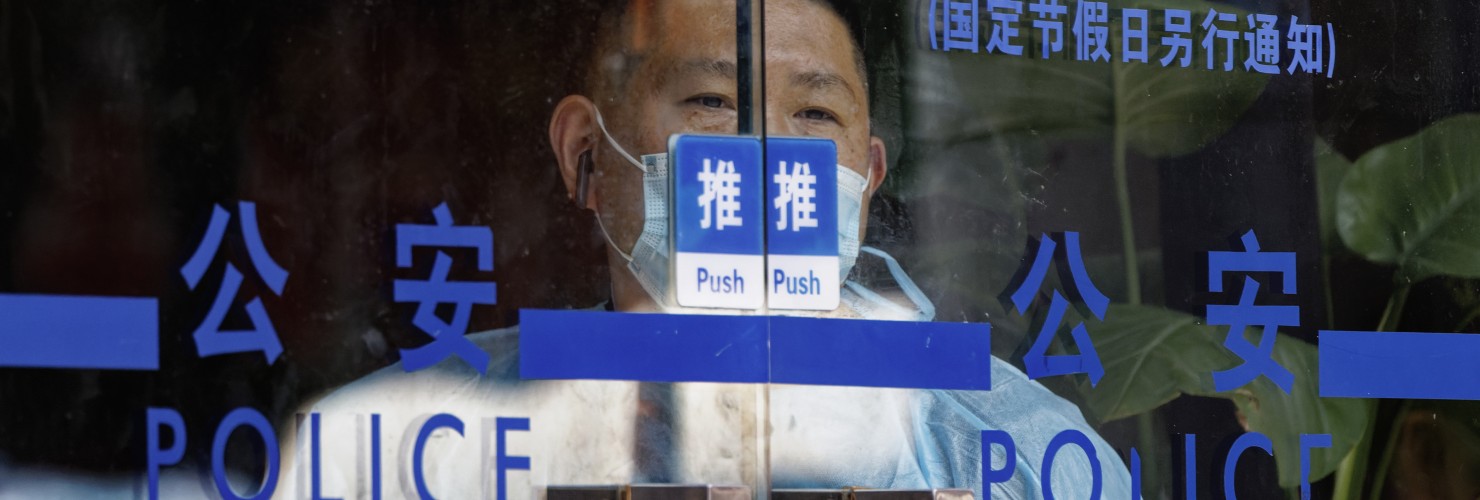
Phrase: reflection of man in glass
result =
(671, 69)
(663, 68)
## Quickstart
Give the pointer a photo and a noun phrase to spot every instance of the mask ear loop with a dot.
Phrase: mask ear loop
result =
(584, 167)
(613, 142)
(583, 182)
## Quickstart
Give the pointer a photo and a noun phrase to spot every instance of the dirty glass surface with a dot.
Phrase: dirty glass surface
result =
(1291, 171)
(371, 249)
(289, 243)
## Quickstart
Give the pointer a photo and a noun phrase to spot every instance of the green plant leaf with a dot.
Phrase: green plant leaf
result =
(1284, 417)
(1163, 111)
(1011, 95)
(1415, 202)
(1152, 355)
(1172, 111)
(1331, 169)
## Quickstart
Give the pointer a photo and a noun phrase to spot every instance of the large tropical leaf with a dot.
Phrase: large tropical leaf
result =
(1161, 111)
(1284, 417)
(1415, 202)
(1153, 355)
(1172, 111)
(1331, 169)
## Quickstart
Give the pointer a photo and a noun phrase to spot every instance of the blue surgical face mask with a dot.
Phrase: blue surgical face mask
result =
(850, 211)
(649, 259)
(862, 301)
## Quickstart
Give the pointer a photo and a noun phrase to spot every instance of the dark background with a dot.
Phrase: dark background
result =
(122, 123)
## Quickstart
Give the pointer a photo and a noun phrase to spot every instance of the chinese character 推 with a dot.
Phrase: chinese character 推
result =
(721, 196)
(795, 198)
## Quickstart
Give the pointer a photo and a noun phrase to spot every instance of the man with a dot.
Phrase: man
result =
(664, 68)
(673, 71)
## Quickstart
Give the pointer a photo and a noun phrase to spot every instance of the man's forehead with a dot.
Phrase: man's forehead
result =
(810, 39)
(698, 36)
(694, 29)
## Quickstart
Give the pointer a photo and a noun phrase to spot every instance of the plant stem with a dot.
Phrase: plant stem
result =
(1353, 468)
(1145, 422)
(1394, 311)
(1326, 282)
(1379, 476)
(1123, 199)
(1150, 466)
(1390, 318)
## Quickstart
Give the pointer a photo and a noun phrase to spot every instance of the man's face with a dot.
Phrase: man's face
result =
(677, 70)
(685, 76)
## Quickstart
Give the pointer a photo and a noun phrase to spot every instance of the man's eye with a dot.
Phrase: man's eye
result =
(709, 101)
(816, 114)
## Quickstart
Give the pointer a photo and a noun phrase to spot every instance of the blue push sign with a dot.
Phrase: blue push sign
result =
(802, 223)
(719, 250)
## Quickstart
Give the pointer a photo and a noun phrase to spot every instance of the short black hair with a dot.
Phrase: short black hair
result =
(612, 21)
(851, 13)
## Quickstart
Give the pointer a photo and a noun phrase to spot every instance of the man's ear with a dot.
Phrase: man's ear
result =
(573, 134)
(878, 164)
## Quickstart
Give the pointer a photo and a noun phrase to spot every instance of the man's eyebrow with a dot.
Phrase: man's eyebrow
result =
(822, 80)
(715, 68)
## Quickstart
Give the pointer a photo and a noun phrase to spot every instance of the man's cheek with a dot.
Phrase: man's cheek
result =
(852, 150)
(684, 118)
(712, 122)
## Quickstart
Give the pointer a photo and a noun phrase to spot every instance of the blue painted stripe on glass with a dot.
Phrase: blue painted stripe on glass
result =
(643, 347)
(65, 331)
(1399, 365)
(682, 348)
(921, 355)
